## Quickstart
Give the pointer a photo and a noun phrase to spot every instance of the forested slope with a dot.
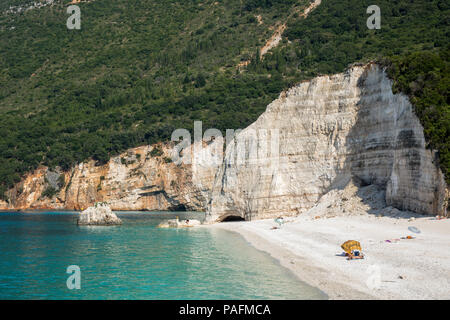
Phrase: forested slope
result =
(139, 69)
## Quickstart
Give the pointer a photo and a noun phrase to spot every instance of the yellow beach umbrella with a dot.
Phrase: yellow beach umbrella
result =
(350, 245)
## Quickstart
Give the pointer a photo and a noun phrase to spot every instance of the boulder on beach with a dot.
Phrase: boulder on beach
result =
(99, 215)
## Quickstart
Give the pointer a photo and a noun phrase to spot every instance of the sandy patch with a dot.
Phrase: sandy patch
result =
(408, 269)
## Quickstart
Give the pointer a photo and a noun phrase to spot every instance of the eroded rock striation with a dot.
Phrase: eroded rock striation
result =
(320, 133)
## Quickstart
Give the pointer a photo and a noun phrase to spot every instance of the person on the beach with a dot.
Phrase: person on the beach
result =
(279, 220)
(187, 221)
(355, 254)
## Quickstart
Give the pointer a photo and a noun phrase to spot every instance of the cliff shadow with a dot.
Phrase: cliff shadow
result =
(362, 181)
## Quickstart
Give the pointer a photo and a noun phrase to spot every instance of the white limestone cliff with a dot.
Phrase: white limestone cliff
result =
(323, 132)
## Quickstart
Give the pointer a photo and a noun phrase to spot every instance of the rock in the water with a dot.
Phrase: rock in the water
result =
(99, 215)
(175, 223)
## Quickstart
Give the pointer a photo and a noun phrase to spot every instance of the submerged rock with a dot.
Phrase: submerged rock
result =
(175, 223)
(99, 215)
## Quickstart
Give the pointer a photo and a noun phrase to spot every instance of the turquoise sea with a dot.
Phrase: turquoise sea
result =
(136, 260)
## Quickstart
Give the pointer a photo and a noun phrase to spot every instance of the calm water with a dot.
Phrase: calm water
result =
(135, 261)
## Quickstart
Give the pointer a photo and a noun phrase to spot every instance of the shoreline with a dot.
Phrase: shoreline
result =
(78, 211)
(309, 246)
(404, 269)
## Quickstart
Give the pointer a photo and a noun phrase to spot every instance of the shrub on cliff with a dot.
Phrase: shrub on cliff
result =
(49, 192)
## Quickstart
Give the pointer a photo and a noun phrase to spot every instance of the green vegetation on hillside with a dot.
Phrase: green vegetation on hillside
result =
(335, 34)
(135, 71)
(138, 69)
(425, 78)
(413, 42)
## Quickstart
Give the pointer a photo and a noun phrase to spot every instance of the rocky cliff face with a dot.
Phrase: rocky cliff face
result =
(323, 132)
(142, 178)
(313, 139)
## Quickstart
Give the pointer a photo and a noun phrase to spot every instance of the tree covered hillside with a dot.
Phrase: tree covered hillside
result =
(413, 43)
(138, 69)
(135, 71)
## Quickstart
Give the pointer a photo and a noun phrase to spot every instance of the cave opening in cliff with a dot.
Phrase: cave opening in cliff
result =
(178, 207)
(232, 218)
